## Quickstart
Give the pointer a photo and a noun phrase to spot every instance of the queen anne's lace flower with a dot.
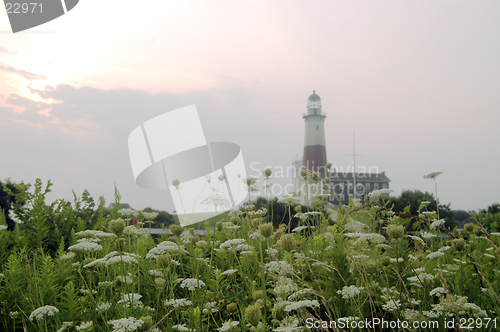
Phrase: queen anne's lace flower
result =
(301, 304)
(235, 245)
(349, 292)
(42, 312)
(364, 237)
(285, 285)
(421, 278)
(228, 272)
(156, 273)
(427, 235)
(437, 223)
(84, 326)
(164, 247)
(176, 303)
(131, 300)
(279, 267)
(126, 324)
(113, 258)
(94, 233)
(418, 239)
(183, 328)
(135, 231)
(67, 256)
(86, 246)
(391, 305)
(381, 192)
(192, 284)
(228, 325)
(288, 324)
(102, 307)
(436, 254)
(438, 291)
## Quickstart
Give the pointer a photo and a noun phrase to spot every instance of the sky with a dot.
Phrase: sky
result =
(417, 81)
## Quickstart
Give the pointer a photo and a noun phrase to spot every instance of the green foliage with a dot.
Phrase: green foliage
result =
(235, 273)
(490, 217)
(410, 202)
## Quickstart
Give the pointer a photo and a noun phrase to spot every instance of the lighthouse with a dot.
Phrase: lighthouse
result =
(314, 140)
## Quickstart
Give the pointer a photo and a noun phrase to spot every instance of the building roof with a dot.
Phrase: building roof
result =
(371, 177)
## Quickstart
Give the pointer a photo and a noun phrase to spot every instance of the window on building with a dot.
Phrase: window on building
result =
(384, 185)
(341, 197)
(375, 186)
(351, 185)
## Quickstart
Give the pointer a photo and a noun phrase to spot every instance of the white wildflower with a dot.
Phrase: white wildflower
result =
(42, 312)
(126, 324)
(399, 260)
(254, 235)
(192, 284)
(176, 303)
(164, 247)
(125, 279)
(285, 285)
(102, 307)
(128, 212)
(94, 233)
(348, 292)
(131, 300)
(279, 267)
(300, 293)
(2, 227)
(418, 239)
(228, 272)
(438, 291)
(427, 235)
(235, 245)
(391, 305)
(381, 192)
(289, 324)
(301, 228)
(218, 201)
(182, 328)
(84, 325)
(228, 325)
(149, 215)
(271, 251)
(86, 246)
(67, 256)
(436, 254)
(156, 273)
(135, 231)
(301, 304)
(437, 223)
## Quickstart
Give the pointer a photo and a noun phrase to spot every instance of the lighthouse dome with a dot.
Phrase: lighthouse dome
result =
(314, 101)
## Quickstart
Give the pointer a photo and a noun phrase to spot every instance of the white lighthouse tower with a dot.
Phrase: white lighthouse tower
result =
(314, 148)
(314, 140)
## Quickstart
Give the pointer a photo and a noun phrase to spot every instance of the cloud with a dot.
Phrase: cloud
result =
(20, 72)
(4, 50)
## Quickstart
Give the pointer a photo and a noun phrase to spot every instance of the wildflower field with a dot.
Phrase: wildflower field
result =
(72, 268)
